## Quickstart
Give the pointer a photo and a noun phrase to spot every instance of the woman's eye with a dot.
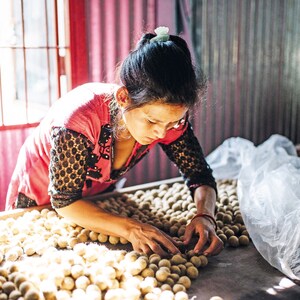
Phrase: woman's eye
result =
(151, 122)
(180, 122)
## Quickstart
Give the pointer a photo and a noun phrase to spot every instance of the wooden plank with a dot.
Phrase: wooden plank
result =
(15, 213)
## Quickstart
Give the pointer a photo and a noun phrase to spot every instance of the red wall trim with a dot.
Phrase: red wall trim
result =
(78, 42)
(11, 141)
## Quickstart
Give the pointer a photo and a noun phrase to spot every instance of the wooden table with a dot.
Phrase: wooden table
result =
(242, 274)
(236, 273)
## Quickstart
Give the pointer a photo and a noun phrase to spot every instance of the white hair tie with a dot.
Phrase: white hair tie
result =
(162, 34)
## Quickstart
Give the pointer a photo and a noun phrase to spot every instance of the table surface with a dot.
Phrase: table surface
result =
(242, 273)
(235, 274)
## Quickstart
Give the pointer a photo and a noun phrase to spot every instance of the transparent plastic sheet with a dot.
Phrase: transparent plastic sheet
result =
(226, 160)
(269, 195)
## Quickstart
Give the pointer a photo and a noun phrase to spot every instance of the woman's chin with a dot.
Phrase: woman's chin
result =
(146, 141)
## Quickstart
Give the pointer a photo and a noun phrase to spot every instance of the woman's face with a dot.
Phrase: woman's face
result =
(152, 121)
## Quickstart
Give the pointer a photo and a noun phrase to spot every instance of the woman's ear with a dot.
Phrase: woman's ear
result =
(122, 97)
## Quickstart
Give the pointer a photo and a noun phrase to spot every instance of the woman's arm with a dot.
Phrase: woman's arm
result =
(143, 237)
(69, 158)
(187, 154)
(205, 199)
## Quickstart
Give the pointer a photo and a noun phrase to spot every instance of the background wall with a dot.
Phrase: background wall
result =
(11, 141)
(250, 51)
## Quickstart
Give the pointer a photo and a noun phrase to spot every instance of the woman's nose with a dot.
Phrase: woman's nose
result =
(160, 132)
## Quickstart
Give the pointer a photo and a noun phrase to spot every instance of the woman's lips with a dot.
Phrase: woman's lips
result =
(149, 140)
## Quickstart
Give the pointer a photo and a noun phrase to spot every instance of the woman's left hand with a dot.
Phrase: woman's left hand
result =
(206, 231)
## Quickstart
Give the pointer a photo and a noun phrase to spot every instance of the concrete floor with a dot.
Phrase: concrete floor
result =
(242, 274)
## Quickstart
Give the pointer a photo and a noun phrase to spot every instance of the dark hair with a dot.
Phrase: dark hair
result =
(161, 71)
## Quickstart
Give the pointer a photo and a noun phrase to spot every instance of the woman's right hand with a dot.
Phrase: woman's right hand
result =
(143, 237)
(148, 239)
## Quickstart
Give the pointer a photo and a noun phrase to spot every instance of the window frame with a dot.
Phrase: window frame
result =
(74, 64)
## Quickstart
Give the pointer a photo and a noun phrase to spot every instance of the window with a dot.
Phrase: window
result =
(33, 54)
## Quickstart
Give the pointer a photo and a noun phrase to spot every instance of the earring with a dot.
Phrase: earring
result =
(122, 95)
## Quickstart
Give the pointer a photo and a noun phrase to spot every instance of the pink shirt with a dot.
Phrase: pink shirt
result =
(84, 110)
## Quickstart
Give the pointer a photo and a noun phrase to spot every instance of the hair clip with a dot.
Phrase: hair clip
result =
(162, 34)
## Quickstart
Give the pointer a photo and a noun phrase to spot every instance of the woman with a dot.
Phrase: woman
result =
(97, 132)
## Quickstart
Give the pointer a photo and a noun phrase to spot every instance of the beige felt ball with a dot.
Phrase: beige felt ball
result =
(196, 261)
(204, 260)
(233, 241)
(192, 272)
(178, 259)
(162, 274)
(12, 255)
(68, 283)
(238, 219)
(181, 295)
(93, 236)
(114, 240)
(77, 271)
(147, 272)
(19, 279)
(79, 294)
(154, 259)
(63, 295)
(164, 263)
(185, 281)
(182, 268)
(32, 294)
(102, 238)
(15, 295)
(229, 233)
(8, 287)
(25, 287)
(166, 295)
(166, 287)
(223, 238)
(73, 241)
(175, 269)
(178, 288)
(154, 267)
(244, 240)
(114, 294)
(175, 275)
(82, 282)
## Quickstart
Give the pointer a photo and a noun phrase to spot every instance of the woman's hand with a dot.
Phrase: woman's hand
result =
(149, 239)
(143, 237)
(205, 200)
(206, 231)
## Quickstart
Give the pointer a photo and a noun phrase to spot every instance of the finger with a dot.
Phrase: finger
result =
(215, 246)
(172, 240)
(156, 248)
(146, 249)
(203, 238)
(143, 249)
(169, 245)
(188, 234)
(165, 240)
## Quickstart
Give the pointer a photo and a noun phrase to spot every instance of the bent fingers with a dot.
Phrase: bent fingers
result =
(167, 242)
(215, 247)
